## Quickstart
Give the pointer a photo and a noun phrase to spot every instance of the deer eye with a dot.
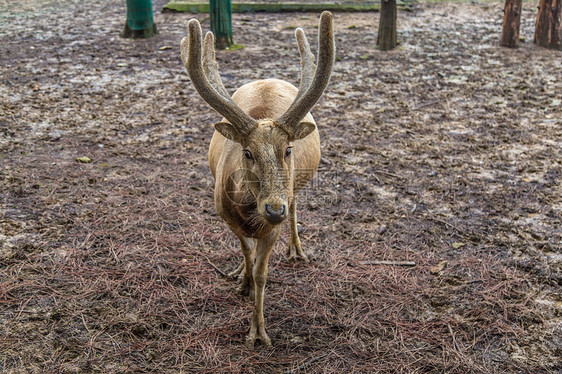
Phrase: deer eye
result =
(248, 155)
(288, 152)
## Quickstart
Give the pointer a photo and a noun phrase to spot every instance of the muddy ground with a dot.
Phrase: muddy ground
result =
(445, 152)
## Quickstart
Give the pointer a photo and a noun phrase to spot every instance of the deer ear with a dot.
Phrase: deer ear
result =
(302, 130)
(228, 131)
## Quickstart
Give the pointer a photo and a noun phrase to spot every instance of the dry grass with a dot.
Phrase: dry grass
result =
(115, 266)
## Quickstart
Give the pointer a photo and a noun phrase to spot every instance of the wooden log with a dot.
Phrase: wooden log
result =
(511, 23)
(387, 38)
(548, 29)
(200, 7)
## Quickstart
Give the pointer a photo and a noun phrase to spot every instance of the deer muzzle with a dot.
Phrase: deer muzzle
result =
(275, 216)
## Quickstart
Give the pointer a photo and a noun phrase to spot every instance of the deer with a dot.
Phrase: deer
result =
(262, 153)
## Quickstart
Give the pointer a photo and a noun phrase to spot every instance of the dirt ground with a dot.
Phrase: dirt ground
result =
(445, 152)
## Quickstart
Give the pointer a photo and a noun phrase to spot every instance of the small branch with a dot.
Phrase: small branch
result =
(455, 345)
(447, 224)
(215, 267)
(392, 263)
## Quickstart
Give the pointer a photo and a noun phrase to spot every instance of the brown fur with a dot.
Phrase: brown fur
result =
(263, 152)
(226, 156)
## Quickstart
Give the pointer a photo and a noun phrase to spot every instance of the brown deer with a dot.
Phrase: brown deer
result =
(263, 152)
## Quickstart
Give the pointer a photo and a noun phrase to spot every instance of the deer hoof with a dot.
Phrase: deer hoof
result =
(251, 340)
(245, 289)
(296, 254)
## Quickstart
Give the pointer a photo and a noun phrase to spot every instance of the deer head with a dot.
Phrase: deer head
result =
(266, 137)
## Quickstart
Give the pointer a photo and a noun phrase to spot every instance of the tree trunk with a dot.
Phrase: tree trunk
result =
(511, 22)
(548, 30)
(221, 22)
(140, 22)
(386, 38)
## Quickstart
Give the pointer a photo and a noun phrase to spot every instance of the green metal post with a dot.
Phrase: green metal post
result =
(140, 22)
(221, 22)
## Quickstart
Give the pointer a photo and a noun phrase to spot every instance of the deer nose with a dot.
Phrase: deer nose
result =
(275, 216)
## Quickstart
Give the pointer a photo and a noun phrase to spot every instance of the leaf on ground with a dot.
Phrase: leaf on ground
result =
(438, 268)
(84, 160)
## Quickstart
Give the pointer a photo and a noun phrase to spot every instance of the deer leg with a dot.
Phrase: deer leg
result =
(257, 323)
(295, 249)
(244, 270)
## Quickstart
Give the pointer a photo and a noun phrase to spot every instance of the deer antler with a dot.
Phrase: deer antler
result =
(311, 88)
(206, 79)
(307, 62)
(211, 67)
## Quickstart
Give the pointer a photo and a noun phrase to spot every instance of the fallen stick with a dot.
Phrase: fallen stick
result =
(215, 267)
(384, 262)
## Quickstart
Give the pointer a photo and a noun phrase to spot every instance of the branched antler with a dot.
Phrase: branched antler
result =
(211, 67)
(205, 77)
(310, 90)
(308, 68)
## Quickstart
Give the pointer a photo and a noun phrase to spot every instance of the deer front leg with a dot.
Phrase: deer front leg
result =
(245, 268)
(295, 249)
(259, 273)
